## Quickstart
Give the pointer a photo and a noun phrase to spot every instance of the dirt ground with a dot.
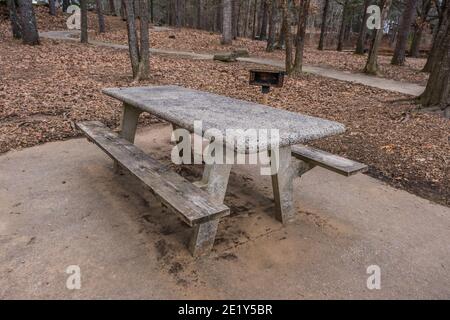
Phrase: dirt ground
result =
(45, 89)
(61, 204)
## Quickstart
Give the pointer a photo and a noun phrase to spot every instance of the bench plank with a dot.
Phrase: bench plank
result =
(172, 189)
(328, 160)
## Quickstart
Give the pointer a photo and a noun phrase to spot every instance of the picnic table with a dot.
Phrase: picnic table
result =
(201, 205)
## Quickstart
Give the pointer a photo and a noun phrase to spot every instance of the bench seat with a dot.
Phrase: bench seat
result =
(317, 157)
(177, 193)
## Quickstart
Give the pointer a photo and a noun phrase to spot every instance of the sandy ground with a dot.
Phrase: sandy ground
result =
(61, 205)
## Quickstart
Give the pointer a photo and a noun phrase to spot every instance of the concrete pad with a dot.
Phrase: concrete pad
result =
(61, 205)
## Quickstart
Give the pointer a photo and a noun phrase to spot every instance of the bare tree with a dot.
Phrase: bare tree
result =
(198, 20)
(101, 18)
(440, 33)
(360, 43)
(52, 7)
(437, 92)
(139, 51)
(227, 36)
(372, 61)
(112, 8)
(255, 10)
(286, 31)
(28, 25)
(272, 26)
(247, 17)
(345, 7)
(419, 25)
(323, 27)
(65, 5)
(405, 25)
(14, 19)
(281, 43)
(84, 21)
(264, 16)
(303, 13)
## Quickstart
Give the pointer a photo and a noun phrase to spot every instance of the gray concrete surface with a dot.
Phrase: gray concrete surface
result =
(183, 106)
(360, 78)
(61, 205)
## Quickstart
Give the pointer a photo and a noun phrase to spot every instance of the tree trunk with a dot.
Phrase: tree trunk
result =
(323, 26)
(132, 36)
(360, 43)
(123, 11)
(419, 25)
(340, 45)
(84, 22)
(372, 63)
(139, 52)
(65, 5)
(414, 51)
(227, 35)
(198, 22)
(405, 25)
(272, 26)
(265, 11)
(247, 18)
(254, 19)
(52, 7)
(442, 27)
(281, 39)
(234, 10)
(287, 36)
(152, 11)
(301, 33)
(112, 8)
(437, 92)
(144, 50)
(101, 18)
(219, 16)
(14, 19)
(29, 30)
(238, 18)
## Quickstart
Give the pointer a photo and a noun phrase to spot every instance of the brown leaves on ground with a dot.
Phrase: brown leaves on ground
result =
(208, 42)
(46, 88)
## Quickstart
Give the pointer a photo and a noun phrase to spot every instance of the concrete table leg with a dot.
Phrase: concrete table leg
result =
(128, 125)
(282, 184)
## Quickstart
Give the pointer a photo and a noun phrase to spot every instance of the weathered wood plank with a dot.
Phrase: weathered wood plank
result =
(328, 160)
(174, 191)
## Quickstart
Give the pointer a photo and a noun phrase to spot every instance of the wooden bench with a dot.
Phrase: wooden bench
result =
(183, 197)
(314, 157)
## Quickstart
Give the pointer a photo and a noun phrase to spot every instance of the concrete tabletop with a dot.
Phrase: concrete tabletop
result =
(182, 106)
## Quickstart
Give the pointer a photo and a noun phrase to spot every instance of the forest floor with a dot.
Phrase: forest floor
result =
(207, 42)
(45, 89)
(198, 41)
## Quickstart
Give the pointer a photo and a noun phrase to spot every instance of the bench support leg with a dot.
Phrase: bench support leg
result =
(202, 240)
(128, 126)
(282, 184)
